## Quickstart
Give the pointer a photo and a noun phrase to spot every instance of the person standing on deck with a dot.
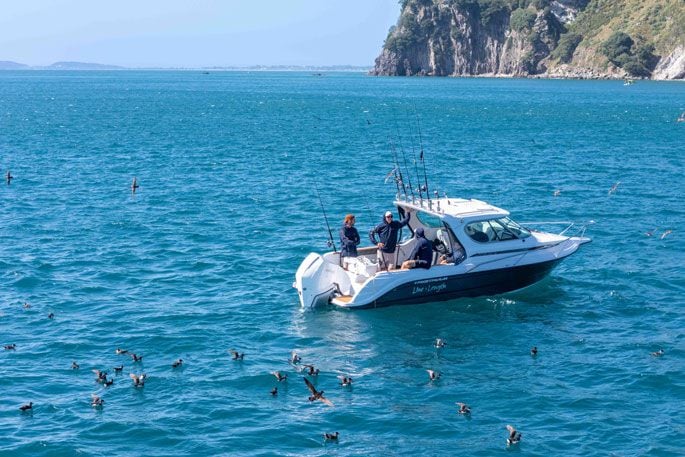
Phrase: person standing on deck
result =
(349, 240)
(387, 239)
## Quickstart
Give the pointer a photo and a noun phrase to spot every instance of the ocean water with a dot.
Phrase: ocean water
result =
(201, 260)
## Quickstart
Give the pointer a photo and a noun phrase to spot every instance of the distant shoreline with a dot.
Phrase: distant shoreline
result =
(87, 66)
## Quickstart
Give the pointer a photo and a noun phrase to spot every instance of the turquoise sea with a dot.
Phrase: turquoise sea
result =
(201, 260)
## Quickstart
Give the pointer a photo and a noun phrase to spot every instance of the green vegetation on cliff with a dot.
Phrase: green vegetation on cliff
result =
(518, 37)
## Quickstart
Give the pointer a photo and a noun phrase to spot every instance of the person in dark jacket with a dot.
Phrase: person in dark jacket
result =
(422, 254)
(349, 239)
(387, 239)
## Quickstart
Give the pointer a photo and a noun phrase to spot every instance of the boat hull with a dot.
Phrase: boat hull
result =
(490, 282)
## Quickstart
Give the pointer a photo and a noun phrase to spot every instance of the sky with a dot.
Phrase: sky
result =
(178, 33)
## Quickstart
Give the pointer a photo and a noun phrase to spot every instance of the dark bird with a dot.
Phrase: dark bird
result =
(10, 347)
(464, 408)
(534, 351)
(651, 232)
(27, 407)
(27, 305)
(311, 371)
(177, 363)
(331, 436)
(101, 376)
(136, 357)
(280, 376)
(96, 402)
(237, 355)
(658, 353)
(51, 316)
(345, 381)
(316, 395)
(119, 351)
(134, 185)
(118, 369)
(294, 358)
(108, 382)
(440, 343)
(433, 375)
(514, 436)
(9, 177)
(75, 366)
(274, 391)
(138, 380)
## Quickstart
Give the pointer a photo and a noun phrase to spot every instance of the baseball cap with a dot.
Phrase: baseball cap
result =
(388, 213)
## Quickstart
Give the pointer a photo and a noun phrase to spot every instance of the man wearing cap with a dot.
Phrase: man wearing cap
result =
(387, 239)
(422, 254)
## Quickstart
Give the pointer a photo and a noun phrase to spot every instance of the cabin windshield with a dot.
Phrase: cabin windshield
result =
(503, 229)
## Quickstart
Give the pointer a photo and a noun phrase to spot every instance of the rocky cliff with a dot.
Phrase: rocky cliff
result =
(547, 38)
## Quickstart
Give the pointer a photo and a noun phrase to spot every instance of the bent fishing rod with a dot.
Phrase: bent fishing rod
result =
(323, 210)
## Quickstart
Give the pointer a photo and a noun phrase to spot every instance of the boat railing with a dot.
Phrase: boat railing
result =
(579, 228)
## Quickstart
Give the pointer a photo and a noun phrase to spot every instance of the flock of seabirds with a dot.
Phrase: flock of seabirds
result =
(308, 370)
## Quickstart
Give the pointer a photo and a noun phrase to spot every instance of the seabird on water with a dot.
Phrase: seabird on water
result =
(316, 394)
(138, 380)
(514, 436)
(345, 381)
(237, 355)
(118, 369)
(75, 366)
(120, 351)
(136, 357)
(331, 436)
(433, 375)
(177, 363)
(51, 316)
(439, 343)
(274, 391)
(27, 407)
(10, 347)
(658, 353)
(464, 408)
(534, 351)
(311, 371)
(96, 402)
(294, 358)
(280, 376)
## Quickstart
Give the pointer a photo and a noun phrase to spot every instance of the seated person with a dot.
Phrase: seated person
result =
(422, 254)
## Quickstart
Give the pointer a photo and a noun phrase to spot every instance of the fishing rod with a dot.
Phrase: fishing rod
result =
(404, 157)
(416, 167)
(423, 162)
(398, 179)
(330, 234)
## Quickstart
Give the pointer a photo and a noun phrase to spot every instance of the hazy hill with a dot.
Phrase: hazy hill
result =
(562, 38)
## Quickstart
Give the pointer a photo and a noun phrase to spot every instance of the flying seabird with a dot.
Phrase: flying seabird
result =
(177, 363)
(345, 381)
(136, 357)
(331, 436)
(316, 395)
(101, 376)
(557, 192)
(10, 347)
(439, 343)
(534, 351)
(433, 375)
(280, 376)
(74, 365)
(658, 353)
(27, 407)
(9, 177)
(464, 408)
(514, 436)
(134, 185)
(237, 355)
(614, 187)
(138, 380)
(96, 401)
(665, 234)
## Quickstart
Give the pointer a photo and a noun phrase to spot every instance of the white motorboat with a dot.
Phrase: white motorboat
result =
(484, 253)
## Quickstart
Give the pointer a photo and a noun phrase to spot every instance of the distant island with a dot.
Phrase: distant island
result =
(8, 65)
(537, 38)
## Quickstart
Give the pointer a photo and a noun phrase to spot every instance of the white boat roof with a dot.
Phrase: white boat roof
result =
(456, 207)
